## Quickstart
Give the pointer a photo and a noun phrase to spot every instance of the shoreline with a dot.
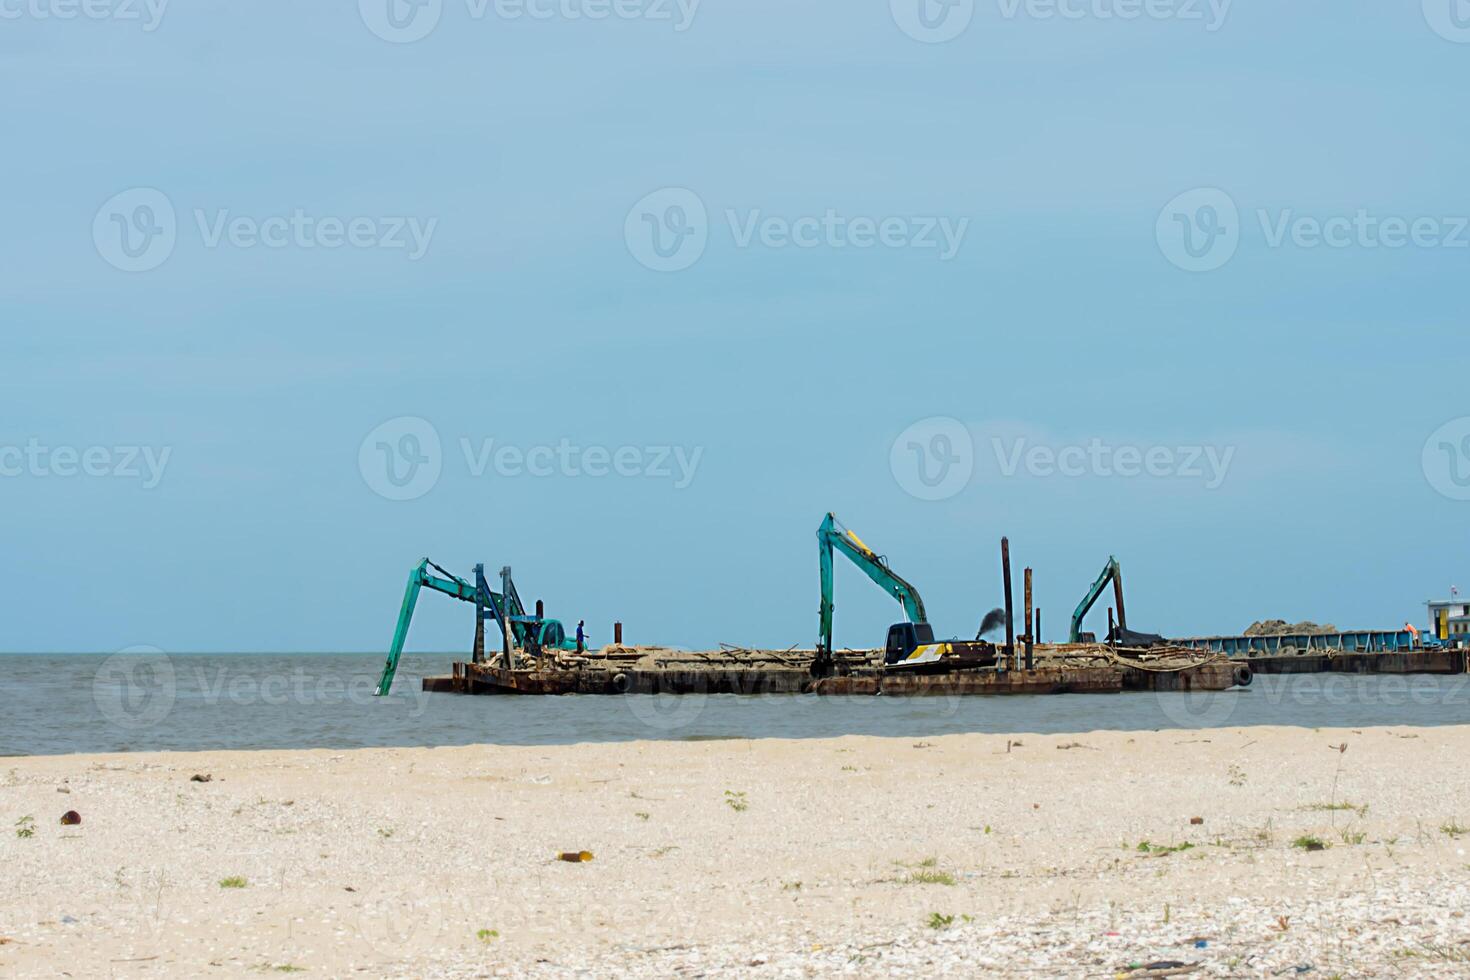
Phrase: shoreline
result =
(948, 854)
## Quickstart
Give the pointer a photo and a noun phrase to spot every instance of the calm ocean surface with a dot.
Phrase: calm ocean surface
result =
(145, 700)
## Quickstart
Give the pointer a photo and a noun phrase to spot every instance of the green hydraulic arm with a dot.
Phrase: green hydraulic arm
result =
(832, 535)
(418, 579)
(1112, 572)
(524, 632)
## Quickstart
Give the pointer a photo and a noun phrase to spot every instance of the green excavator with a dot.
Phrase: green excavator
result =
(523, 634)
(1118, 634)
(910, 644)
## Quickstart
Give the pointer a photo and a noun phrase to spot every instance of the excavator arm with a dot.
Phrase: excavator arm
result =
(418, 580)
(833, 536)
(525, 632)
(1112, 572)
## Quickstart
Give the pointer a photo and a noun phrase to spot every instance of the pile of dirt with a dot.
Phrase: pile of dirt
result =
(1280, 627)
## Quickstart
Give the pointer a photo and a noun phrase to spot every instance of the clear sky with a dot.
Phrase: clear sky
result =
(1181, 283)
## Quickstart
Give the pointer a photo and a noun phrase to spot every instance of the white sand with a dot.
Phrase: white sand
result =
(765, 858)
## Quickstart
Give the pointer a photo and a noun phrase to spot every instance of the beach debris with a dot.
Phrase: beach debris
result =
(575, 857)
(71, 818)
(1196, 821)
(202, 777)
(63, 789)
(1158, 968)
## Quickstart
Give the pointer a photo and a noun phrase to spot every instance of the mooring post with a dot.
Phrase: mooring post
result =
(618, 634)
(540, 609)
(1005, 571)
(1029, 638)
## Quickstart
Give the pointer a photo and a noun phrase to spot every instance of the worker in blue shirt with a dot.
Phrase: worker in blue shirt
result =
(581, 636)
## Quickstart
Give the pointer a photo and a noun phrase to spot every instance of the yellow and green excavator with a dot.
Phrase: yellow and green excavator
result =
(910, 644)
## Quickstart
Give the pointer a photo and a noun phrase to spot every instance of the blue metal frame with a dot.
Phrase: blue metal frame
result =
(1357, 641)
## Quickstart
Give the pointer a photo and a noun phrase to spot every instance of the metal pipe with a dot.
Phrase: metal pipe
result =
(1038, 624)
(618, 633)
(1005, 568)
(1030, 638)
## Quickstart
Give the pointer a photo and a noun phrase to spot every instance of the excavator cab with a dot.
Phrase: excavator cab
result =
(904, 639)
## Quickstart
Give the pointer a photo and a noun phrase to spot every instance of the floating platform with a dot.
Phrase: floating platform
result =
(1439, 661)
(1056, 670)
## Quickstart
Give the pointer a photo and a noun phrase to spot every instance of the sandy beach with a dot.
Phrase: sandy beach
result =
(1087, 855)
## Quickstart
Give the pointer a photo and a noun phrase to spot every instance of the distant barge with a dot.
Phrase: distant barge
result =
(1067, 669)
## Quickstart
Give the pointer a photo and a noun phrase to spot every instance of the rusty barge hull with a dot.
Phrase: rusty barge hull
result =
(474, 678)
(1411, 662)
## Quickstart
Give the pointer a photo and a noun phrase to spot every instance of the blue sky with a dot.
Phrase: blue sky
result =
(525, 151)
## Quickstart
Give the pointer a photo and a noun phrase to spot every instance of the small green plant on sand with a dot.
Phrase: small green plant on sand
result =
(234, 881)
(25, 827)
(1454, 829)
(930, 876)
(937, 921)
(736, 801)
(487, 935)
(1162, 850)
(1307, 842)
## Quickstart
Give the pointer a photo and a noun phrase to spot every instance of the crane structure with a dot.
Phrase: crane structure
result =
(1112, 572)
(909, 644)
(529, 634)
(1118, 634)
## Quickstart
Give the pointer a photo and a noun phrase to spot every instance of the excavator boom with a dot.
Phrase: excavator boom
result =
(1112, 572)
(833, 536)
(525, 632)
